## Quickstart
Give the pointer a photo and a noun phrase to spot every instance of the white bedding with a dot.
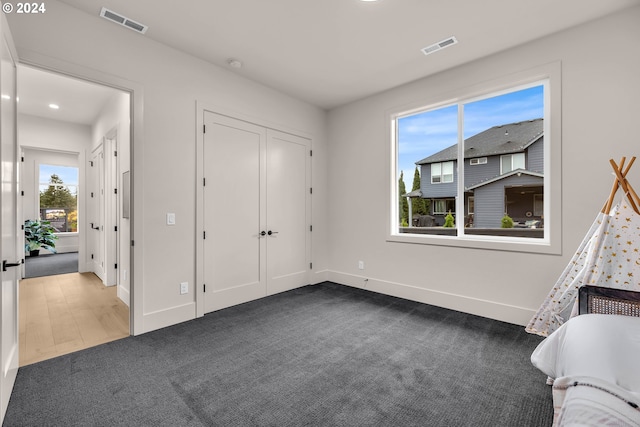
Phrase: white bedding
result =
(602, 354)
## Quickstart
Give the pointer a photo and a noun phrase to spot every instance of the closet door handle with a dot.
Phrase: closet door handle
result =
(263, 233)
(6, 264)
(271, 232)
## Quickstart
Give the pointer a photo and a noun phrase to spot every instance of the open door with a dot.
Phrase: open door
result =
(97, 214)
(11, 245)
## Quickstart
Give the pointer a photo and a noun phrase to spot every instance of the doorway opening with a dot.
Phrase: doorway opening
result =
(78, 296)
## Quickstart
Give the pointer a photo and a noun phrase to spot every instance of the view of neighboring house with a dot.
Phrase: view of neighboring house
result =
(503, 174)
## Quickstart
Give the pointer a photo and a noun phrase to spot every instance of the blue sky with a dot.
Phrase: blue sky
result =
(69, 175)
(424, 134)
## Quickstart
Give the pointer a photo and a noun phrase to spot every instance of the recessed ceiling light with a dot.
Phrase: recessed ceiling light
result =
(54, 106)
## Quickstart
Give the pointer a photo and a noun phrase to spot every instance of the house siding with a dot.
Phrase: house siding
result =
(436, 191)
(535, 156)
(489, 205)
(475, 174)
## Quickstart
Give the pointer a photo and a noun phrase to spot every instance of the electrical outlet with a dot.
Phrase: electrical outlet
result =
(184, 288)
(171, 219)
(361, 265)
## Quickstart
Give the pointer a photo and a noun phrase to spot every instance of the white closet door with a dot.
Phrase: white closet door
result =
(288, 211)
(234, 212)
(256, 211)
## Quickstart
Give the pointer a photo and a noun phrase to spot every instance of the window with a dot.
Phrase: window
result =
(441, 172)
(59, 197)
(444, 206)
(467, 153)
(478, 161)
(511, 162)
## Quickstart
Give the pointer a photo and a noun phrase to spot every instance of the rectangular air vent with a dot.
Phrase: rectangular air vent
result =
(122, 20)
(440, 45)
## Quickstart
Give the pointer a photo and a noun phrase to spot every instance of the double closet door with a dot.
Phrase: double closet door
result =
(256, 202)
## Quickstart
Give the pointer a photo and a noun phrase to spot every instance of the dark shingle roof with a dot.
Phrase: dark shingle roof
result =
(493, 142)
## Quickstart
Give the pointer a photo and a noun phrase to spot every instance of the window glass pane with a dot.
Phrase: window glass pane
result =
(59, 197)
(427, 147)
(511, 125)
(447, 172)
(506, 164)
(518, 161)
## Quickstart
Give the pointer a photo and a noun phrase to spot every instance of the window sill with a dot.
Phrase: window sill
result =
(499, 243)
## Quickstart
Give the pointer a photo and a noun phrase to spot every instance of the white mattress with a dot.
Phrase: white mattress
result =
(594, 358)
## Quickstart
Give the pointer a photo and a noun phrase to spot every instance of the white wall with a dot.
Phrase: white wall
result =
(116, 115)
(600, 92)
(56, 143)
(168, 83)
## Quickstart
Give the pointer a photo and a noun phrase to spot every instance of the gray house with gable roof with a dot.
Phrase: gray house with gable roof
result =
(503, 174)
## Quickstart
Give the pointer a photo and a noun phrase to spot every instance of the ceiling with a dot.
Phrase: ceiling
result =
(331, 52)
(79, 101)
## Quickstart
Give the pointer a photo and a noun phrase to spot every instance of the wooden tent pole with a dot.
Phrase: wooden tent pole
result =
(631, 195)
(614, 189)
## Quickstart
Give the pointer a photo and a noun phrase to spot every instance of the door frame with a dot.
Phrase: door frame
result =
(9, 364)
(201, 108)
(136, 129)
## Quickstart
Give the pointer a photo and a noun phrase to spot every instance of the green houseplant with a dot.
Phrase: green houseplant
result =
(37, 235)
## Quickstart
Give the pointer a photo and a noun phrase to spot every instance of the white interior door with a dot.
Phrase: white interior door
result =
(288, 211)
(234, 212)
(112, 216)
(257, 212)
(11, 244)
(96, 219)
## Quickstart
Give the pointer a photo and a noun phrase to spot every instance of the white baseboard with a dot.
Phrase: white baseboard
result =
(171, 316)
(124, 295)
(479, 307)
(319, 277)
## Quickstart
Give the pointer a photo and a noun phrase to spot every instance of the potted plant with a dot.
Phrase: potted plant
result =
(39, 234)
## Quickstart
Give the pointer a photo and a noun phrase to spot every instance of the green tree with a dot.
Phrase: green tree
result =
(418, 204)
(57, 195)
(403, 211)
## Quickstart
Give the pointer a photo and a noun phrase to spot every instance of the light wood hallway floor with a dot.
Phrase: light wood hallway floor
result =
(66, 313)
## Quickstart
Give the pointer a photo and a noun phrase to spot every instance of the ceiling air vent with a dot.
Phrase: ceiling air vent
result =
(440, 45)
(123, 20)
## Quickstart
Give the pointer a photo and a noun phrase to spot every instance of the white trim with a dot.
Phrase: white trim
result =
(136, 128)
(480, 307)
(551, 76)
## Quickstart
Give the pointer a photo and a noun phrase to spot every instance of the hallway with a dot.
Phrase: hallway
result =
(68, 312)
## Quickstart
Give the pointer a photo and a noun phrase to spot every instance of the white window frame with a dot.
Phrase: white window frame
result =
(478, 161)
(550, 76)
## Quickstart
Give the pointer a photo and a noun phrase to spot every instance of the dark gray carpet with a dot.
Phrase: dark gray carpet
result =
(51, 264)
(323, 355)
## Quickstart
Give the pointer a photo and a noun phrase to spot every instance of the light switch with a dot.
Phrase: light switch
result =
(171, 219)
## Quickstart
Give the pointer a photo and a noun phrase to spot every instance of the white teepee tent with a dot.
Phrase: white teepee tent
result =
(609, 256)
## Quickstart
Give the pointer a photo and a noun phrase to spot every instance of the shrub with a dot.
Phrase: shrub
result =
(507, 222)
(404, 223)
(449, 221)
